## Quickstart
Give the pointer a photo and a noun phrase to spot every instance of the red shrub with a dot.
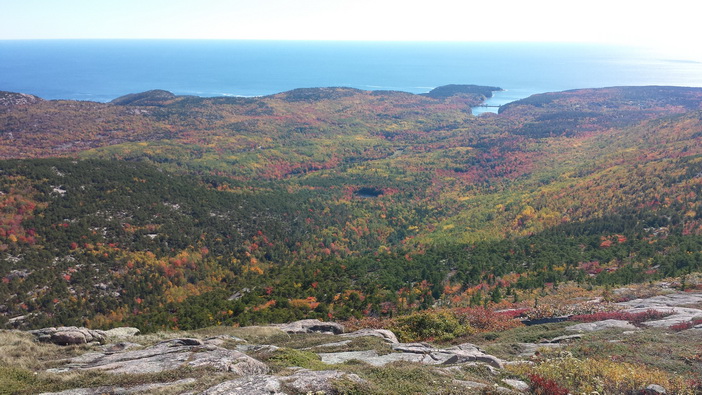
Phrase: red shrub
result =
(634, 318)
(544, 386)
(685, 325)
(513, 313)
(487, 320)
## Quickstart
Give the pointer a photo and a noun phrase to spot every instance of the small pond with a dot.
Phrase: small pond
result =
(367, 192)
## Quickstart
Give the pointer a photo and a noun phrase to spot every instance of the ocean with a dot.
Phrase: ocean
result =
(101, 70)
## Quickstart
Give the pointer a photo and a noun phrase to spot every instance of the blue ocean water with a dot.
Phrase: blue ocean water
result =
(101, 70)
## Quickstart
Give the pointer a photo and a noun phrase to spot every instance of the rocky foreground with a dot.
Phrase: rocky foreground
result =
(317, 357)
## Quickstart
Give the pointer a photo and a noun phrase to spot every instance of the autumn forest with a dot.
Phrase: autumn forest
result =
(162, 211)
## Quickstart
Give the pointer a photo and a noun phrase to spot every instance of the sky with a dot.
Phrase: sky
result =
(669, 26)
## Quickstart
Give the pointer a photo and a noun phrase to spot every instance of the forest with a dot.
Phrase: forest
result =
(178, 212)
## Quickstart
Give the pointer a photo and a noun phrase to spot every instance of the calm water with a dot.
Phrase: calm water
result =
(101, 70)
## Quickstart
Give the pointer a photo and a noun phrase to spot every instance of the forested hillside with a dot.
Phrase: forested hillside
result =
(164, 211)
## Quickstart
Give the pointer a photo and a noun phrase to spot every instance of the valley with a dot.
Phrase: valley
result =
(376, 209)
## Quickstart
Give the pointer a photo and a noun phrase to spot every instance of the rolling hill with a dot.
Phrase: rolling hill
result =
(165, 211)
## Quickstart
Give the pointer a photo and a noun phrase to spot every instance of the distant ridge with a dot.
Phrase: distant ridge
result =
(156, 97)
(160, 97)
(445, 91)
(315, 94)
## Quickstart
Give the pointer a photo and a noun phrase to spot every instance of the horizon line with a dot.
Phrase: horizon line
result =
(321, 40)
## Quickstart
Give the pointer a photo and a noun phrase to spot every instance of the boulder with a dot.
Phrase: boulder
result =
(69, 335)
(65, 338)
(654, 389)
(518, 385)
(468, 352)
(43, 335)
(381, 333)
(312, 326)
(460, 357)
(600, 325)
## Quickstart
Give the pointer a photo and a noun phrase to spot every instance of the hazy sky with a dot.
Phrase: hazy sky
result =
(668, 24)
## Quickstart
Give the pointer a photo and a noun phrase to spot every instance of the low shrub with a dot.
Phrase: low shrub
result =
(403, 378)
(600, 375)
(350, 387)
(487, 320)
(442, 325)
(563, 309)
(288, 357)
(478, 319)
(15, 379)
(686, 325)
(544, 386)
(634, 318)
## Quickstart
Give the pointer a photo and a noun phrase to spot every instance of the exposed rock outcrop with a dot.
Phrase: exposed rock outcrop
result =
(123, 332)
(342, 343)
(416, 352)
(301, 382)
(312, 326)
(670, 300)
(667, 303)
(250, 385)
(12, 99)
(167, 355)
(384, 334)
(138, 389)
(228, 356)
(468, 352)
(372, 357)
(563, 339)
(601, 325)
(306, 381)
